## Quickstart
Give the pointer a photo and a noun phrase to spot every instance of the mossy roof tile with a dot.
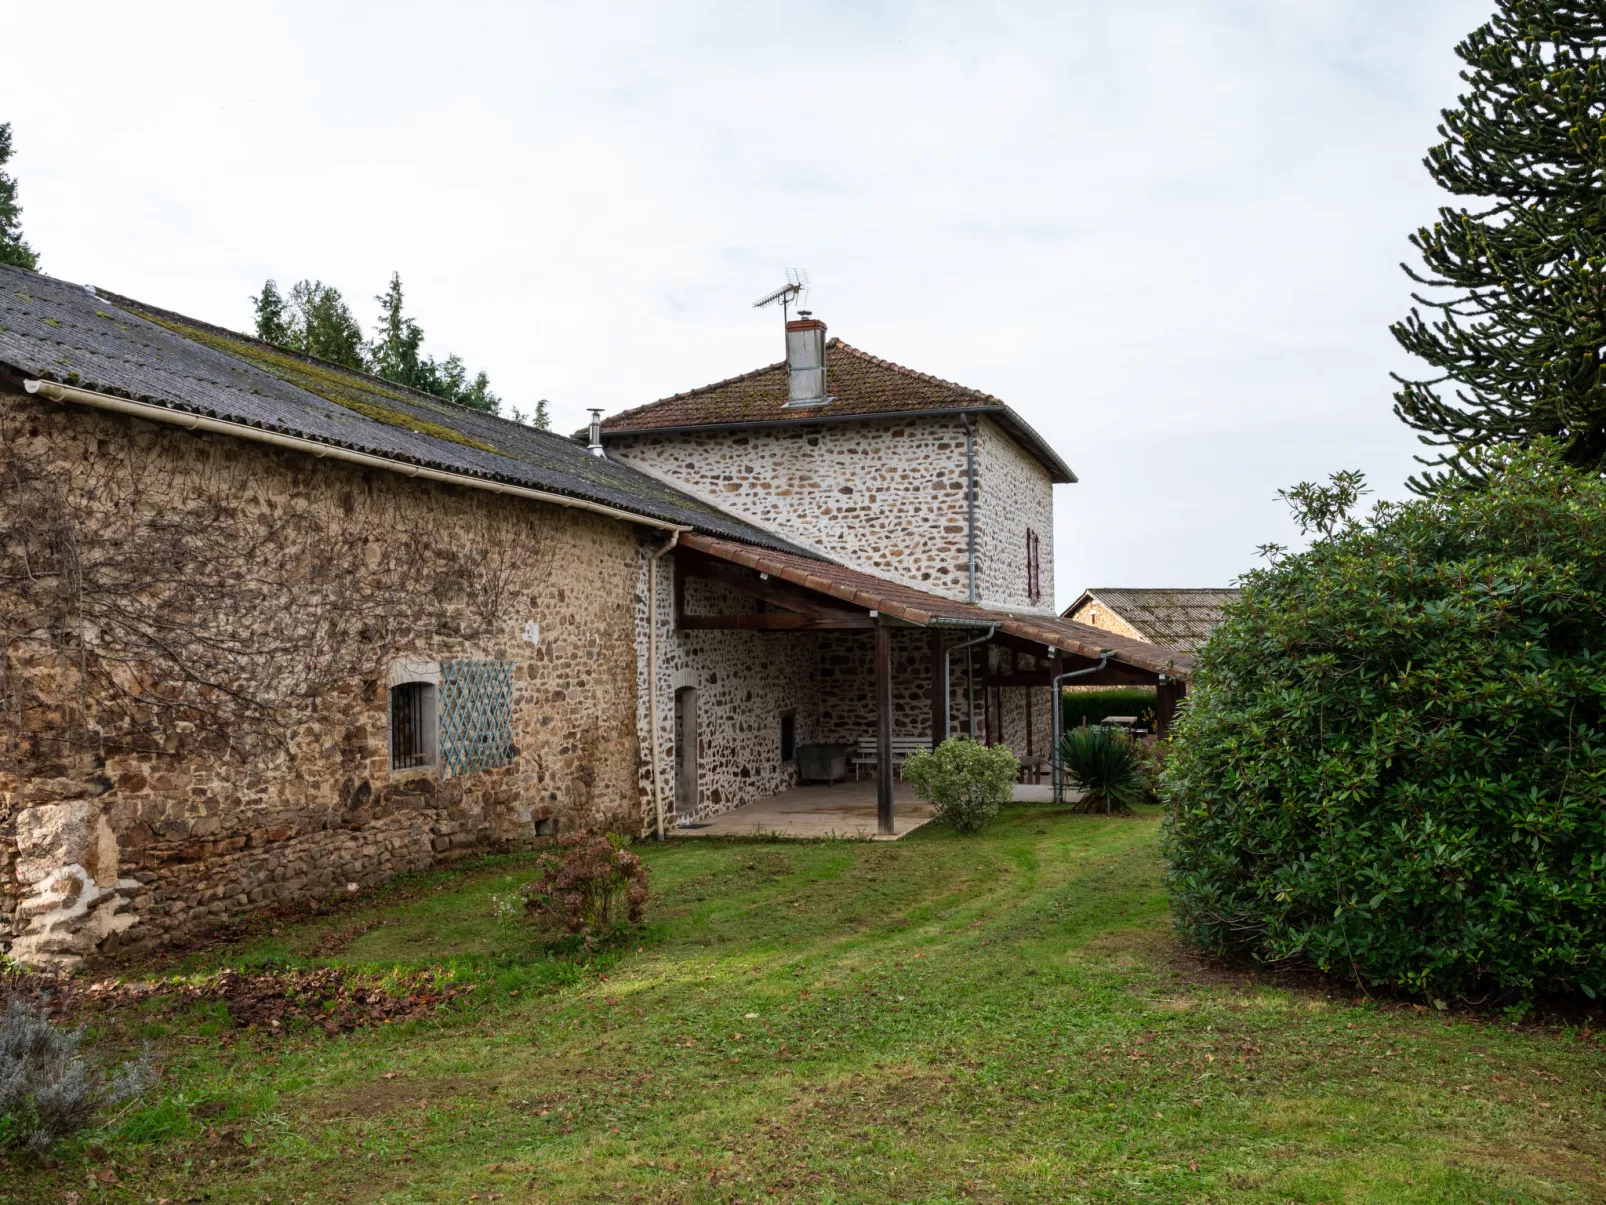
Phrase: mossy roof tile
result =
(58, 331)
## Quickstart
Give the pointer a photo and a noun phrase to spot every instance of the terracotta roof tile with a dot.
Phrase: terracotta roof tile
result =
(860, 386)
(919, 607)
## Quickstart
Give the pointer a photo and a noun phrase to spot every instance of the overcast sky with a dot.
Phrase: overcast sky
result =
(1167, 232)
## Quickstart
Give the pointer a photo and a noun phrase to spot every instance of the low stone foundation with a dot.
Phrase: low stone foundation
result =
(73, 914)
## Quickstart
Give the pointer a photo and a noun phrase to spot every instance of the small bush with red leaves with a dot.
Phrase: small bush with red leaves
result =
(590, 885)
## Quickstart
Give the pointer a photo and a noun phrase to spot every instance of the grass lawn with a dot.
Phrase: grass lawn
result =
(1001, 1018)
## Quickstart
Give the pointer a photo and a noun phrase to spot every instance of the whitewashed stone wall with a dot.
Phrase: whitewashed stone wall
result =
(883, 496)
(886, 497)
(1013, 493)
(745, 681)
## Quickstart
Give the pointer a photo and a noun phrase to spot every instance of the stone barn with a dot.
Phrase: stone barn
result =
(272, 627)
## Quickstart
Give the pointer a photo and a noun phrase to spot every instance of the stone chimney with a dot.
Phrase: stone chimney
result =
(805, 361)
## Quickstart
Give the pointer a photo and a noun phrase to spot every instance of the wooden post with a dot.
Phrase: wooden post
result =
(1166, 696)
(883, 708)
(939, 708)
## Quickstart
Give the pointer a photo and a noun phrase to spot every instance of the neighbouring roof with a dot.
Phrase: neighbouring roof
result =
(1178, 619)
(919, 607)
(57, 331)
(860, 385)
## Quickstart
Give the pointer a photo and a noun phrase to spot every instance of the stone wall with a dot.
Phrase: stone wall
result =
(1095, 614)
(745, 682)
(847, 691)
(1013, 494)
(199, 724)
(884, 496)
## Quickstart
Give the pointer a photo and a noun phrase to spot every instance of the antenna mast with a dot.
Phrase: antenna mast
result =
(797, 284)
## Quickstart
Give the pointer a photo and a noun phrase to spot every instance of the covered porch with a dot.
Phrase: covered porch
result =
(846, 810)
(831, 655)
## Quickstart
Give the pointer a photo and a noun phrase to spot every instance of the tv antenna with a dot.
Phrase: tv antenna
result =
(797, 284)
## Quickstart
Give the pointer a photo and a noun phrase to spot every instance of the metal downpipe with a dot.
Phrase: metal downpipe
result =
(1059, 720)
(947, 671)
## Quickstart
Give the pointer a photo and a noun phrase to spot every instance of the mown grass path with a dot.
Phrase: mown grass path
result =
(1001, 1018)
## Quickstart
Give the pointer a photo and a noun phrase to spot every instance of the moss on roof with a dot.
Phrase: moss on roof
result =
(362, 395)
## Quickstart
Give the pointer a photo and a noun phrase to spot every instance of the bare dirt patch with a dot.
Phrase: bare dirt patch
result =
(397, 1093)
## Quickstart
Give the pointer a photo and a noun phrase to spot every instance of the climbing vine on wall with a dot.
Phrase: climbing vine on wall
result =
(163, 599)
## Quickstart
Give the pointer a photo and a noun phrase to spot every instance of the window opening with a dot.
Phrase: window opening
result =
(788, 737)
(411, 712)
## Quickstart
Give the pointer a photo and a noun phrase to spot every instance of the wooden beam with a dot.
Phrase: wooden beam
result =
(939, 709)
(1110, 675)
(883, 707)
(773, 591)
(777, 621)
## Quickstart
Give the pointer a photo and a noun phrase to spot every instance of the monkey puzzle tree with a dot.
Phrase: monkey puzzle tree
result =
(1515, 288)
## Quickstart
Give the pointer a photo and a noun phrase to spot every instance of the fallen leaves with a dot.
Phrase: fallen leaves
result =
(335, 999)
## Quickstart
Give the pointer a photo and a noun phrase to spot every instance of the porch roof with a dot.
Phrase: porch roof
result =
(922, 608)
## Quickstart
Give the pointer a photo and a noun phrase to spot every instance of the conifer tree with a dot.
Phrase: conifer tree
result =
(396, 352)
(13, 250)
(272, 320)
(1515, 287)
(321, 324)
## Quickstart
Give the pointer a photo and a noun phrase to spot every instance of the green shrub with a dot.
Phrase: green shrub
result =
(1392, 765)
(1094, 705)
(965, 782)
(1106, 765)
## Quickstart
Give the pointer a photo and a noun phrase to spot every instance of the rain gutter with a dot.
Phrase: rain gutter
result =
(195, 422)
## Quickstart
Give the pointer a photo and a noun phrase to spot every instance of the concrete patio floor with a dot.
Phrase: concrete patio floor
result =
(844, 810)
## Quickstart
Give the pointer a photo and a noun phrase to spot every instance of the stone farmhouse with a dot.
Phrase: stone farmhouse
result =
(1177, 619)
(272, 627)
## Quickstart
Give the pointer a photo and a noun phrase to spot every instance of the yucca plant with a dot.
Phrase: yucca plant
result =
(1104, 764)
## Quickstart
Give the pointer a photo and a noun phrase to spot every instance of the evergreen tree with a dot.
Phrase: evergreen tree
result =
(322, 325)
(396, 352)
(272, 320)
(1518, 316)
(13, 250)
(316, 321)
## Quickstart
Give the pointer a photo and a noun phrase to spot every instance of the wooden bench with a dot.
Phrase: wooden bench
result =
(869, 753)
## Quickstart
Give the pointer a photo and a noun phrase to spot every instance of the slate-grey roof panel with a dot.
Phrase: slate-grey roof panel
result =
(59, 331)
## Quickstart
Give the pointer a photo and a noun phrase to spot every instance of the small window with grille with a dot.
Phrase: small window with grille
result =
(788, 737)
(412, 725)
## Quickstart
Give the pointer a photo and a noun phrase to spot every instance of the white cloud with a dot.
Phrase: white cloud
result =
(1166, 231)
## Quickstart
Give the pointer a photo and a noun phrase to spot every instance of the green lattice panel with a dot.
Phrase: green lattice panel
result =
(476, 715)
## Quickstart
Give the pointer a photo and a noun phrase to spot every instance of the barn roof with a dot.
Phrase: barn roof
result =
(861, 386)
(1178, 619)
(57, 331)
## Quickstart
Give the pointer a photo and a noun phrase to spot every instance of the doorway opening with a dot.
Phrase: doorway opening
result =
(686, 799)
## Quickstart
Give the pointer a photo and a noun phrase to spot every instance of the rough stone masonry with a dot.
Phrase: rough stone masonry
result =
(194, 686)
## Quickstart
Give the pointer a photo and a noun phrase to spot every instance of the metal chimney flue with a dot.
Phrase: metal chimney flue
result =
(805, 361)
(595, 446)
